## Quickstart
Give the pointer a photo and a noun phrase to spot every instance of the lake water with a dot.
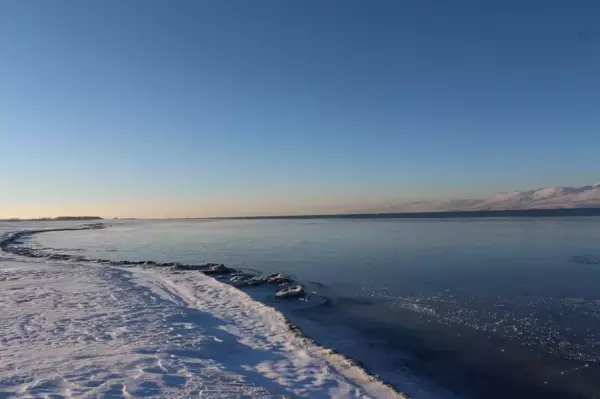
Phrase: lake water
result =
(469, 307)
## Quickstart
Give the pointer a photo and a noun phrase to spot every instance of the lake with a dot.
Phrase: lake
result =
(439, 307)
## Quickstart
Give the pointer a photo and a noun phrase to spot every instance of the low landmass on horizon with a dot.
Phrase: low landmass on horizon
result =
(56, 219)
(587, 196)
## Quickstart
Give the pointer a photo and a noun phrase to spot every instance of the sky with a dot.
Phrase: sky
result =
(192, 108)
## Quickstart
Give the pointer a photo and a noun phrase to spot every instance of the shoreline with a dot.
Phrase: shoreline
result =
(13, 243)
(399, 349)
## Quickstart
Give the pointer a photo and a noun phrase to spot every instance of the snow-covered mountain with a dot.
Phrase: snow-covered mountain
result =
(542, 198)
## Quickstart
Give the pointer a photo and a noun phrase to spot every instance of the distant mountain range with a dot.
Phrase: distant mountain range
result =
(543, 198)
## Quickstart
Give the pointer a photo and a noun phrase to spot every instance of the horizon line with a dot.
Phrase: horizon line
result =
(583, 211)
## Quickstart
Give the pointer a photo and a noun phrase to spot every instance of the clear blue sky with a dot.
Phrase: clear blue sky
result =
(204, 107)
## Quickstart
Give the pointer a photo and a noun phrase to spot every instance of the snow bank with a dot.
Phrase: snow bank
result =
(102, 331)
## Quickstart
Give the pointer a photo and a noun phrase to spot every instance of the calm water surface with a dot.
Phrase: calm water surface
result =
(502, 307)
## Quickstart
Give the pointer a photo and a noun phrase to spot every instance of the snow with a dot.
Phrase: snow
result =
(80, 330)
(543, 198)
(545, 193)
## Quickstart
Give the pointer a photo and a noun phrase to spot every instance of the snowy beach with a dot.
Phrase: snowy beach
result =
(81, 330)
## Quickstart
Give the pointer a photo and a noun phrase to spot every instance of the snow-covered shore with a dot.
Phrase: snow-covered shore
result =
(82, 330)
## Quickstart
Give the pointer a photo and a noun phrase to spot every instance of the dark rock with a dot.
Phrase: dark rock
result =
(277, 278)
(218, 269)
(194, 267)
(243, 280)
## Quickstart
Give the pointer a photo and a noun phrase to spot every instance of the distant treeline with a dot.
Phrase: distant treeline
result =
(57, 219)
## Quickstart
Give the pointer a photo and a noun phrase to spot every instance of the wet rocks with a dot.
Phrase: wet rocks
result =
(246, 280)
(218, 269)
(243, 280)
(294, 291)
(277, 278)
(203, 267)
(92, 226)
